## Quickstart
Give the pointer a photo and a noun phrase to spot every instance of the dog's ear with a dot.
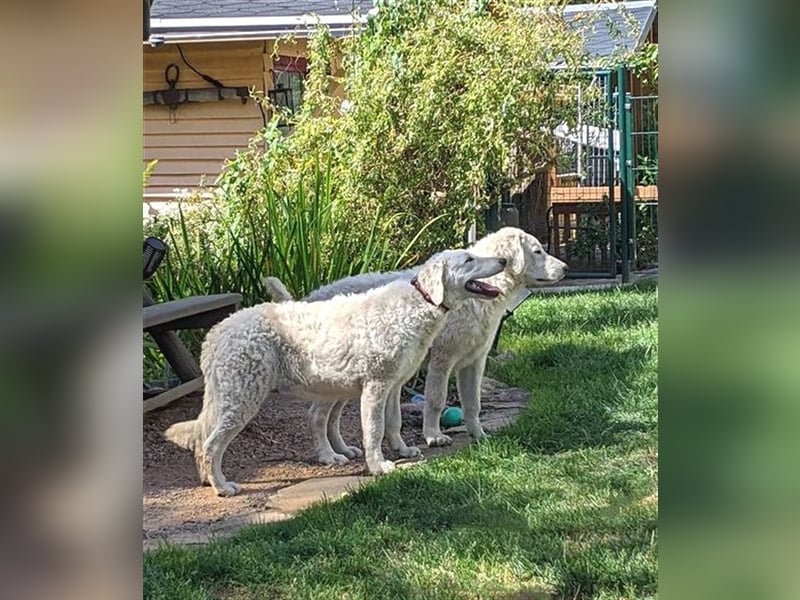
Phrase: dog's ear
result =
(517, 255)
(431, 279)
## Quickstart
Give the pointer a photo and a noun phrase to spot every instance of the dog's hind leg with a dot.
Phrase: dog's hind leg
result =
(213, 449)
(373, 405)
(394, 423)
(435, 398)
(335, 433)
(319, 414)
(202, 471)
(229, 408)
(468, 381)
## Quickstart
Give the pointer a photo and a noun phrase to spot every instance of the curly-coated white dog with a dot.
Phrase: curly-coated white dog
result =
(462, 344)
(365, 344)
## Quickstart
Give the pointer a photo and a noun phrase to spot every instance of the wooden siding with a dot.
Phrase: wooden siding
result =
(203, 135)
(192, 146)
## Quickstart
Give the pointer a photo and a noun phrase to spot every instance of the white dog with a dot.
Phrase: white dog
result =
(462, 344)
(365, 344)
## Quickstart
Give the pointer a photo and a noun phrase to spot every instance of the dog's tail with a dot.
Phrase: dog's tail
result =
(276, 290)
(185, 434)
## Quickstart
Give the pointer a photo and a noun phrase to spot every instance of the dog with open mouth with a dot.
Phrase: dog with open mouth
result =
(461, 346)
(364, 344)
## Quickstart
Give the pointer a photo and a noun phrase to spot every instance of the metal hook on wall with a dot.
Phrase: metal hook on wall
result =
(172, 96)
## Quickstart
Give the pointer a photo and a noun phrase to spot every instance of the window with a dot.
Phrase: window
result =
(288, 77)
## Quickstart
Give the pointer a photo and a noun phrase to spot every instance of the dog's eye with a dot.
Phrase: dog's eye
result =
(539, 251)
(469, 259)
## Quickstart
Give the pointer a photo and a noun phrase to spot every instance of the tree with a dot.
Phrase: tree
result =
(454, 102)
(449, 102)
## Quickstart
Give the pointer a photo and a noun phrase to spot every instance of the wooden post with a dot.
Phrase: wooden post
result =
(177, 355)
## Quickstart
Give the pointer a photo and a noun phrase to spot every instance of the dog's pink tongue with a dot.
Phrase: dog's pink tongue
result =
(484, 289)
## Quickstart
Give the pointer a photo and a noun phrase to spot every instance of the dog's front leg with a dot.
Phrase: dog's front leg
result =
(373, 403)
(394, 424)
(435, 398)
(468, 381)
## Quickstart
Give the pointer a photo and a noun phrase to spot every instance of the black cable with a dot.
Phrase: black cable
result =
(208, 78)
(215, 82)
(263, 114)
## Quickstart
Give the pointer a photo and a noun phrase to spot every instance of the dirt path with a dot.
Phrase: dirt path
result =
(274, 460)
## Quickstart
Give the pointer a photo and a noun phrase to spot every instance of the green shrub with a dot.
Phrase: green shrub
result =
(449, 103)
(453, 102)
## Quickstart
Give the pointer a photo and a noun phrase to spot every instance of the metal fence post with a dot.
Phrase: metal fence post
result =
(631, 182)
(612, 204)
(625, 172)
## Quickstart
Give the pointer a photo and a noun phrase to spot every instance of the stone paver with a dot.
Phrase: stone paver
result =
(302, 495)
(204, 533)
(583, 285)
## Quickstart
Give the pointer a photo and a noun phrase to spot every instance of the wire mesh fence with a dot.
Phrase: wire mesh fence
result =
(585, 218)
(644, 135)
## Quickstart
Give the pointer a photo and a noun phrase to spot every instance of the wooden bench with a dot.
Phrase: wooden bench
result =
(163, 319)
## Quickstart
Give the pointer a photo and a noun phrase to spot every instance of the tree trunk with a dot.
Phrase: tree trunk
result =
(533, 201)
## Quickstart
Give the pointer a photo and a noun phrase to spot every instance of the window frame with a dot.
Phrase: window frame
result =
(297, 65)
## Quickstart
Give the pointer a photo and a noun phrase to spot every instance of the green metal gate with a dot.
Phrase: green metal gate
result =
(638, 161)
(582, 227)
(612, 154)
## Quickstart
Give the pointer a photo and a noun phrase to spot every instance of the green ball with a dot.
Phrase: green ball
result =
(451, 417)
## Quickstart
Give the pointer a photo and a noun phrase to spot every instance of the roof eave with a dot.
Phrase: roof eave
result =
(174, 30)
(172, 37)
(601, 6)
(651, 17)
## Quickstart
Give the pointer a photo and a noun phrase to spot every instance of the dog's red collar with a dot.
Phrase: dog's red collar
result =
(425, 295)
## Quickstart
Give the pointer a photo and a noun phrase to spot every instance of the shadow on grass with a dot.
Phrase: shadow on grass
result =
(582, 396)
(389, 540)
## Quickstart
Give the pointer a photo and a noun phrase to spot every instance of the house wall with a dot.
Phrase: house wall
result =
(193, 144)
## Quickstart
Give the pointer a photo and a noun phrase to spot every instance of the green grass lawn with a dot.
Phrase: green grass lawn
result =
(564, 501)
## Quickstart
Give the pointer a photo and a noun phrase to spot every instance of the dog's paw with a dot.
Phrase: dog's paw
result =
(438, 440)
(380, 467)
(383, 467)
(334, 458)
(228, 489)
(352, 452)
(477, 434)
(409, 451)
(474, 428)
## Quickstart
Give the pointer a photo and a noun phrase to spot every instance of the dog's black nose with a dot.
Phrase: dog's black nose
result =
(503, 261)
